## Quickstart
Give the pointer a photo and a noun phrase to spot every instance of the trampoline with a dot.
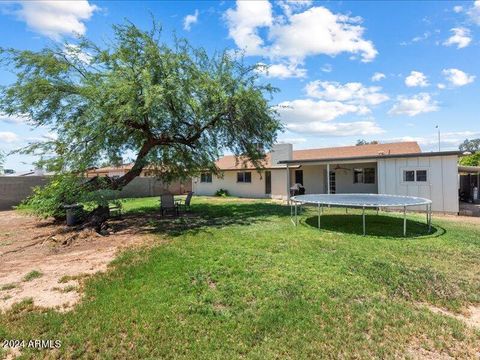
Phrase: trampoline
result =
(361, 201)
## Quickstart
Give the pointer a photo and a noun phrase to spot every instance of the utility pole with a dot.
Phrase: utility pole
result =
(437, 127)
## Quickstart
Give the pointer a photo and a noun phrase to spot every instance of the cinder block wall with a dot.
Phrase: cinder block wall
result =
(14, 189)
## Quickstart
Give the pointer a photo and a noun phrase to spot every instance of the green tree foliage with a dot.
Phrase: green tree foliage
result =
(470, 145)
(171, 107)
(470, 160)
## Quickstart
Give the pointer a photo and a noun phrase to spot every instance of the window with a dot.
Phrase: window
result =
(369, 175)
(206, 178)
(364, 176)
(414, 175)
(409, 175)
(422, 175)
(358, 176)
(299, 177)
(244, 177)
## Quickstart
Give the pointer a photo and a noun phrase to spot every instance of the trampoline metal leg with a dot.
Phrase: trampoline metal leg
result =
(404, 221)
(430, 218)
(296, 220)
(319, 214)
(363, 218)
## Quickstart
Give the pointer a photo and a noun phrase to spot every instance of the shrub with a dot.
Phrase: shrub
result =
(470, 160)
(34, 274)
(63, 189)
(222, 192)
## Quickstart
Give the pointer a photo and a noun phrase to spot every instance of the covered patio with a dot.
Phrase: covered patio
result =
(334, 177)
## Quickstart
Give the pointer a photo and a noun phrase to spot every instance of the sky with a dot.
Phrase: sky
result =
(347, 70)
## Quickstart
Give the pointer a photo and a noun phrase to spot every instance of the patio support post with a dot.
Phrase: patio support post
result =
(328, 178)
(288, 185)
(404, 221)
(363, 218)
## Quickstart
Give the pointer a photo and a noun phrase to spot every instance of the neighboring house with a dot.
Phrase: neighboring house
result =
(156, 184)
(395, 168)
(114, 171)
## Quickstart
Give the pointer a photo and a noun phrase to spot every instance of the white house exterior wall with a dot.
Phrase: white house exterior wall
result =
(442, 180)
(255, 189)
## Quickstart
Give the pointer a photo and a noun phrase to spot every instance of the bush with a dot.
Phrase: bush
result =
(222, 192)
(470, 160)
(48, 200)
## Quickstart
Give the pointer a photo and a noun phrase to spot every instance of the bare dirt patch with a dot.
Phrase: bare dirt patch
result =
(470, 315)
(61, 256)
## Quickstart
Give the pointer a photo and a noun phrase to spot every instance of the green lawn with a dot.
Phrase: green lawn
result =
(238, 280)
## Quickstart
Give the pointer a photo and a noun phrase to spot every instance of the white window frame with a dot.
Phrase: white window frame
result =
(363, 175)
(415, 181)
(244, 182)
(206, 182)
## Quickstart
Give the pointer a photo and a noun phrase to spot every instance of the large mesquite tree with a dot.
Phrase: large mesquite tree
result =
(174, 108)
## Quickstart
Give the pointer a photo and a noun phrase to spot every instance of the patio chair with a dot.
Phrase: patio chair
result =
(184, 205)
(167, 204)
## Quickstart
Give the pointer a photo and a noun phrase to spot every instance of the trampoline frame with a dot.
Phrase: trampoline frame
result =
(296, 200)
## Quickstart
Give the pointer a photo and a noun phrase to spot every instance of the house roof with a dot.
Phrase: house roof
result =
(230, 162)
(376, 157)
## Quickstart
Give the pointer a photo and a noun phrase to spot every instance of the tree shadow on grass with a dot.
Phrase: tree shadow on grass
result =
(376, 225)
(201, 217)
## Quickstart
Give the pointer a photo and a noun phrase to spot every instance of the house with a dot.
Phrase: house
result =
(149, 178)
(399, 168)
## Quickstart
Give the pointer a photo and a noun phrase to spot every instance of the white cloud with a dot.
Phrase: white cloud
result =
(244, 21)
(458, 9)
(474, 12)
(13, 119)
(412, 106)
(353, 92)
(291, 6)
(283, 71)
(337, 129)
(378, 76)
(448, 140)
(289, 36)
(457, 77)
(334, 34)
(441, 86)
(56, 18)
(8, 137)
(74, 52)
(461, 38)
(189, 20)
(328, 68)
(416, 78)
(292, 141)
(310, 116)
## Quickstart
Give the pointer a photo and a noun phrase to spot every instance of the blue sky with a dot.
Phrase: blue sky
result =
(375, 70)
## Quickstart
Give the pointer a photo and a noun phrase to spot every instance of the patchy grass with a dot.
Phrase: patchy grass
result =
(8, 287)
(34, 274)
(235, 279)
(65, 289)
(66, 278)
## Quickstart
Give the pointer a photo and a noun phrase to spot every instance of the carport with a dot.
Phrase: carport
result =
(469, 180)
